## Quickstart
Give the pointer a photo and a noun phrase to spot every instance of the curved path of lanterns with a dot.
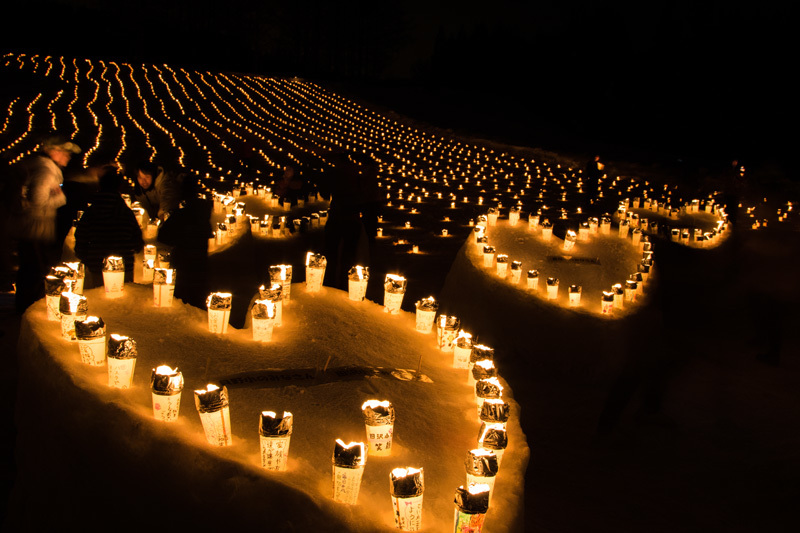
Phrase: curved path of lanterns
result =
(230, 128)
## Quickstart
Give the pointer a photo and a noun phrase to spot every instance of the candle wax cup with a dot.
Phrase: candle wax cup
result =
(218, 320)
(461, 357)
(217, 427)
(346, 484)
(357, 289)
(93, 351)
(424, 320)
(262, 329)
(120, 372)
(392, 302)
(379, 439)
(53, 312)
(166, 407)
(162, 294)
(314, 277)
(114, 283)
(407, 513)
(275, 452)
(468, 523)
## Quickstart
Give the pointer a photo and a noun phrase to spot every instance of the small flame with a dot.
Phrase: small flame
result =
(478, 488)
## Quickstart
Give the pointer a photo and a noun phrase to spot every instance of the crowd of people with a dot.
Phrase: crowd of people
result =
(46, 196)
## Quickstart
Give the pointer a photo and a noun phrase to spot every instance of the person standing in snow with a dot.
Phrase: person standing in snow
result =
(39, 197)
(107, 227)
(157, 190)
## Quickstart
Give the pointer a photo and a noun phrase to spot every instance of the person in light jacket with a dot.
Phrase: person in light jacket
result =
(157, 190)
(40, 196)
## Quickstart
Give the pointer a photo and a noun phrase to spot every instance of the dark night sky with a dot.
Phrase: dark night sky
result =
(679, 76)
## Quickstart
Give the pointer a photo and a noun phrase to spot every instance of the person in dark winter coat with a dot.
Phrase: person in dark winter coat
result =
(187, 230)
(108, 227)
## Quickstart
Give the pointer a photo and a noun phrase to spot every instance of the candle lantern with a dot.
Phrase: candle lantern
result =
(315, 271)
(605, 225)
(91, 334)
(513, 216)
(282, 274)
(583, 232)
(547, 230)
(379, 420)
(406, 487)
(644, 269)
(426, 314)
(502, 265)
(357, 279)
(263, 320)
(676, 234)
(77, 274)
(481, 369)
(485, 389)
(148, 270)
(533, 279)
(114, 276)
(639, 279)
(644, 225)
(493, 437)
(163, 286)
(212, 404)
(446, 330)
(348, 467)
(607, 302)
(623, 228)
(491, 216)
(221, 234)
(488, 256)
(472, 504)
(569, 240)
(380, 232)
(53, 287)
(478, 232)
(516, 271)
(394, 289)
(275, 433)
(630, 291)
(495, 411)
(122, 354)
(462, 350)
(219, 311)
(482, 467)
(685, 236)
(71, 307)
(166, 385)
(575, 295)
(274, 295)
(637, 201)
(619, 295)
(164, 259)
(151, 230)
(533, 221)
(552, 288)
(636, 236)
